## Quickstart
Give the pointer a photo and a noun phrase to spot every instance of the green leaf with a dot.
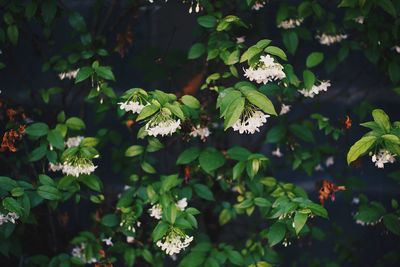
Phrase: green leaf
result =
(392, 223)
(109, 220)
(211, 159)
(77, 22)
(224, 217)
(388, 6)
(258, 99)
(30, 9)
(37, 153)
(190, 101)
(291, 41)
(17, 192)
(134, 150)
(89, 142)
(233, 58)
(360, 147)
(207, 21)
(159, 231)
(37, 129)
(46, 180)
(302, 132)
(262, 202)
(105, 73)
(49, 192)
(196, 51)
(235, 257)
(91, 181)
(314, 59)
(276, 51)
(276, 233)
(7, 183)
(55, 139)
(49, 9)
(382, 119)
(147, 111)
(83, 74)
(299, 221)
(238, 153)
(188, 156)
(75, 123)
(250, 53)
(233, 112)
(147, 167)
(276, 134)
(12, 33)
(175, 108)
(203, 192)
(12, 205)
(309, 79)
(394, 72)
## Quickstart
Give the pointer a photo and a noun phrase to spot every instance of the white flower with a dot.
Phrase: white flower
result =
(163, 128)
(318, 168)
(326, 39)
(277, 153)
(133, 106)
(329, 161)
(359, 19)
(55, 167)
(284, 109)
(130, 239)
(241, 39)
(290, 23)
(79, 252)
(316, 89)
(9, 217)
(396, 48)
(383, 157)
(266, 70)
(68, 75)
(78, 167)
(74, 141)
(250, 121)
(258, 5)
(156, 211)
(173, 243)
(108, 241)
(182, 204)
(202, 132)
(355, 200)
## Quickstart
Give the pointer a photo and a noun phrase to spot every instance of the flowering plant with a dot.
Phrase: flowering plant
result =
(229, 149)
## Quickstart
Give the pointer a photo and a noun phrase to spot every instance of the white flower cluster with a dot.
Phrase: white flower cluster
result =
(9, 217)
(329, 161)
(173, 243)
(202, 132)
(277, 153)
(326, 39)
(258, 5)
(266, 70)
(156, 211)
(166, 127)
(396, 48)
(74, 141)
(79, 252)
(284, 109)
(290, 23)
(250, 122)
(383, 157)
(359, 19)
(134, 106)
(316, 89)
(68, 75)
(108, 241)
(182, 204)
(76, 168)
(362, 223)
(55, 167)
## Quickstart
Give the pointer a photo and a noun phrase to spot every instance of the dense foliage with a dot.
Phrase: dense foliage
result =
(169, 183)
